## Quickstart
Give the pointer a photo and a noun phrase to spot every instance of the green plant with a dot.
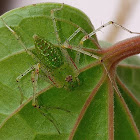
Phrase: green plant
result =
(103, 110)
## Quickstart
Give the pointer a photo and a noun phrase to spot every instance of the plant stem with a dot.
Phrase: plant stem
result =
(121, 50)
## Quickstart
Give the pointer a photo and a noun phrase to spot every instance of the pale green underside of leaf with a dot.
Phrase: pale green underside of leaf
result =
(28, 123)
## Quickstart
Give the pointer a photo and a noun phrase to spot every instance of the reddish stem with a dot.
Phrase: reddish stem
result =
(121, 50)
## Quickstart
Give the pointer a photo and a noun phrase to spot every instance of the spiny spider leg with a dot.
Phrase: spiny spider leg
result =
(34, 79)
(79, 49)
(69, 39)
(105, 25)
(112, 82)
(21, 76)
(66, 43)
(55, 26)
(73, 35)
(49, 117)
(18, 38)
(54, 22)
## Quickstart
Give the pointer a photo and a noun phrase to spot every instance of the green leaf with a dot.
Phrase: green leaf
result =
(106, 114)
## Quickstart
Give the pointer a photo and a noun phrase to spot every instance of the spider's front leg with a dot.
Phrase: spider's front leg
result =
(18, 79)
(34, 79)
(103, 26)
(54, 22)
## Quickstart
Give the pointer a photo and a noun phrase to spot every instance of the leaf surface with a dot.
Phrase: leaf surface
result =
(25, 122)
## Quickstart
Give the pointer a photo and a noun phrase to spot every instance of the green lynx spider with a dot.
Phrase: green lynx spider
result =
(60, 59)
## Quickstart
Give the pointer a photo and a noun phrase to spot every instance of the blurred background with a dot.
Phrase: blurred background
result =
(124, 12)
